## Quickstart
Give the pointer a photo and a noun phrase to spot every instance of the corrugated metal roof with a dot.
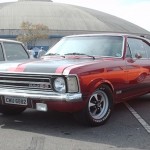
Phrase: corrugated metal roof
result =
(62, 17)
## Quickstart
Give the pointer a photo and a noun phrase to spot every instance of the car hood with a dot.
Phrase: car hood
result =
(45, 66)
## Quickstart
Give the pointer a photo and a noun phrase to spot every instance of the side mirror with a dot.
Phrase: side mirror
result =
(138, 55)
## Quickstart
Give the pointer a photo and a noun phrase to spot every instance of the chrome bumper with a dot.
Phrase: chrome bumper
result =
(51, 96)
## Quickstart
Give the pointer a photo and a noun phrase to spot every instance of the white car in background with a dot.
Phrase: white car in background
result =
(11, 50)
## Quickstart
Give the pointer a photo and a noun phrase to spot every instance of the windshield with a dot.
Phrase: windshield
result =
(104, 46)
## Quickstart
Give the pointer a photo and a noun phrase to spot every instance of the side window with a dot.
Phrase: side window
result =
(138, 46)
(1, 53)
(15, 51)
(147, 48)
(128, 52)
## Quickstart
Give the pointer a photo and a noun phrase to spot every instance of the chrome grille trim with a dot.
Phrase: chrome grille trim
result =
(35, 82)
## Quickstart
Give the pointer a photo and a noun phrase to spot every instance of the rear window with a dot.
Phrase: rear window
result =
(15, 51)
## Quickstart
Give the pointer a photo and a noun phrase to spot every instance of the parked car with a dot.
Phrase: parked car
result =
(11, 50)
(82, 74)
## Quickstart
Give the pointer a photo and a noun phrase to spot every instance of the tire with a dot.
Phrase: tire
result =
(98, 108)
(11, 110)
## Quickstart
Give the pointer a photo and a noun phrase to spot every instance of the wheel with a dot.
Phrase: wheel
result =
(11, 110)
(98, 108)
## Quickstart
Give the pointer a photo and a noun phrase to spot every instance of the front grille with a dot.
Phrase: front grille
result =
(33, 82)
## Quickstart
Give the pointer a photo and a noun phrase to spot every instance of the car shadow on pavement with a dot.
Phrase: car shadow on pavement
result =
(121, 130)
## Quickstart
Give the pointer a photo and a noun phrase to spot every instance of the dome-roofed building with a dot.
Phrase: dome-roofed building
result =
(62, 19)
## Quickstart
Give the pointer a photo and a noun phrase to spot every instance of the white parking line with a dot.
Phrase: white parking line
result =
(138, 117)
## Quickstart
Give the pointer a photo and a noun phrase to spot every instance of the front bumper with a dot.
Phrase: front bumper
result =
(48, 96)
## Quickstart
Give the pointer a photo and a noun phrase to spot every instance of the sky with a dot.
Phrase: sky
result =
(135, 11)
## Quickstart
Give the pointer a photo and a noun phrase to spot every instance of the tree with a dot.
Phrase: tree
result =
(32, 32)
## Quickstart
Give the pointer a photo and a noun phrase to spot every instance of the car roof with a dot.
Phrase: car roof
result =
(110, 34)
(7, 40)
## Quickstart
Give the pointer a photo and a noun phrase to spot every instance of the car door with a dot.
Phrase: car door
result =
(138, 66)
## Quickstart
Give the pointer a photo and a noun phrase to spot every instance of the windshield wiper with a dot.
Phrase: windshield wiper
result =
(50, 54)
(80, 54)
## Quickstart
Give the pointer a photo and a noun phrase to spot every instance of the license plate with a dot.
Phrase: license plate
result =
(15, 100)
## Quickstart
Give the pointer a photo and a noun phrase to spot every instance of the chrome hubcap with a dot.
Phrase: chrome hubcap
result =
(98, 105)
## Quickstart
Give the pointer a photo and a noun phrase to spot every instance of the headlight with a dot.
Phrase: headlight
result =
(72, 84)
(59, 85)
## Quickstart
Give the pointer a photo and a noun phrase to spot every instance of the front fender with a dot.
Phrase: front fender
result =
(95, 84)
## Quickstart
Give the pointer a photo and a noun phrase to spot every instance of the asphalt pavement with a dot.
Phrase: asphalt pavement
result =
(33, 130)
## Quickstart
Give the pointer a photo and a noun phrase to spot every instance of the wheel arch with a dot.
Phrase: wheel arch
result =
(96, 84)
(108, 84)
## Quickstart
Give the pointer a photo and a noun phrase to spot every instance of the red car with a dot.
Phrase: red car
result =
(82, 74)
